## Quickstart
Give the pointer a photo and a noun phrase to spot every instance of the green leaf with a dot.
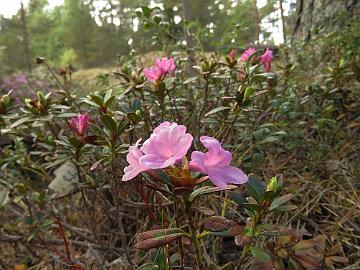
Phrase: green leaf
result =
(75, 142)
(97, 163)
(280, 201)
(107, 96)
(269, 196)
(265, 75)
(4, 198)
(136, 104)
(157, 19)
(148, 266)
(191, 79)
(255, 187)
(20, 121)
(260, 254)
(216, 110)
(108, 122)
(273, 185)
(146, 11)
(66, 115)
(248, 92)
(252, 207)
(237, 197)
(109, 101)
(206, 190)
(161, 259)
(98, 100)
(91, 103)
(63, 143)
(270, 139)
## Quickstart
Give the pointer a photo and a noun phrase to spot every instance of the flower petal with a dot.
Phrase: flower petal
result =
(152, 161)
(130, 173)
(216, 155)
(197, 162)
(226, 175)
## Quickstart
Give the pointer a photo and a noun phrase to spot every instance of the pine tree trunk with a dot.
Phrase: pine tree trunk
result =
(282, 19)
(188, 38)
(322, 15)
(25, 38)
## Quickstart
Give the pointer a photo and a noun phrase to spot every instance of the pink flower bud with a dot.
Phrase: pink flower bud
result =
(266, 59)
(232, 54)
(80, 123)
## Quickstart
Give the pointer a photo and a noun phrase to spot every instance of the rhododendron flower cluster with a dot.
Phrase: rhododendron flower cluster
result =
(169, 144)
(79, 124)
(161, 68)
(266, 58)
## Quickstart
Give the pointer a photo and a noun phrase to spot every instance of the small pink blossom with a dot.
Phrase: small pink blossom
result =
(134, 167)
(153, 73)
(167, 145)
(246, 54)
(80, 123)
(215, 163)
(266, 59)
(166, 65)
(161, 68)
(232, 54)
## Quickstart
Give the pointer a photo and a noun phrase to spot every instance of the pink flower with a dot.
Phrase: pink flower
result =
(232, 54)
(167, 145)
(266, 59)
(162, 67)
(134, 167)
(80, 123)
(166, 65)
(246, 54)
(215, 163)
(153, 73)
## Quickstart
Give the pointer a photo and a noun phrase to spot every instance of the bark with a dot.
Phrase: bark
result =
(282, 19)
(310, 26)
(188, 37)
(323, 16)
(300, 9)
(25, 38)
(258, 23)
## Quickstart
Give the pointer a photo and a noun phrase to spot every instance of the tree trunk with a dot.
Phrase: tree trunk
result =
(258, 23)
(25, 38)
(322, 15)
(188, 38)
(282, 19)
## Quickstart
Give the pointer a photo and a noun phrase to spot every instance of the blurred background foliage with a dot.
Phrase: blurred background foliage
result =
(90, 33)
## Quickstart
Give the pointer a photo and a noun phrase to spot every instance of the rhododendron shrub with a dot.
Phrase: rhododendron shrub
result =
(163, 160)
